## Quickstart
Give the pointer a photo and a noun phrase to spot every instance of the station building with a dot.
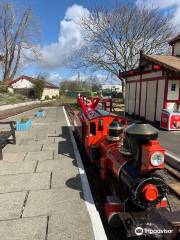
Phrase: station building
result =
(154, 85)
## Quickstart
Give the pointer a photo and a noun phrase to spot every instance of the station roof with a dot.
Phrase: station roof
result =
(167, 61)
(174, 40)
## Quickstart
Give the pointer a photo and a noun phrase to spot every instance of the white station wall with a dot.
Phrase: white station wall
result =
(137, 98)
(148, 101)
(143, 99)
(173, 95)
(151, 97)
(127, 97)
(132, 98)
(160, 98)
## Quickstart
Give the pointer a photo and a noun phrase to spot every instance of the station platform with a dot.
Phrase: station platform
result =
(171, 141)
(41, 192)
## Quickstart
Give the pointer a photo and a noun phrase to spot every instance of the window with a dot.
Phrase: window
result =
(173, 87)
(100, 125)
(93, 128)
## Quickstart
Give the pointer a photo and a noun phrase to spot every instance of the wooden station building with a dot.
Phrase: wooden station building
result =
(154, 85)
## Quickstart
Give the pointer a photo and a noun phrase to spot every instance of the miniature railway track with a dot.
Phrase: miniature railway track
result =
(172, 178)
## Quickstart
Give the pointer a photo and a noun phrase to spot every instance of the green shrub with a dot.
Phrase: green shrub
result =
(24, 119)
(46, 97)
(38, 88)
(3, 88)
(53, 97)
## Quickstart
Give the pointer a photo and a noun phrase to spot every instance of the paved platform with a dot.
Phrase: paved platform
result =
(41, 195)
(171, 141)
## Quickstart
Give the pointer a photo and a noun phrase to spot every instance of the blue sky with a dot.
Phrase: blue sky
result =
(49, 14)
(57, 20)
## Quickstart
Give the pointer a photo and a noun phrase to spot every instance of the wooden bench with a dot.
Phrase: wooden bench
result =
(7, 137)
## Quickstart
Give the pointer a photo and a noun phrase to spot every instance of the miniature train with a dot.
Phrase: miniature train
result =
(128, 158)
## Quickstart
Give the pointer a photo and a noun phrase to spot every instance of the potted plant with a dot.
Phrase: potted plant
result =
(40, 113)
(24, 124)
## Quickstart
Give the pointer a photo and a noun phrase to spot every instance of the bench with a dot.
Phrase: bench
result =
(5, 136)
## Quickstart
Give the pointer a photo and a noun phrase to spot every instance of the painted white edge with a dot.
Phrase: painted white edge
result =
(97, 226)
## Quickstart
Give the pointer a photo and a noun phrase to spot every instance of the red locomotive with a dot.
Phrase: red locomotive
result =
(128, 158)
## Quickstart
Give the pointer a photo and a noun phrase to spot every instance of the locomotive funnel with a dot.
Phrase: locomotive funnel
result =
(142, 131)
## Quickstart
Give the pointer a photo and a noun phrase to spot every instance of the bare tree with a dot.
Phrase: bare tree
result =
(15, 38)
(114, 38)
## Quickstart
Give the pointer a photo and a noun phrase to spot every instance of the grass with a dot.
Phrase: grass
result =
(8, 98)
(66, 99)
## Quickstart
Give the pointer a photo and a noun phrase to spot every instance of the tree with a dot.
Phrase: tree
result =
(91, 83)
(39, 87)
(16, 33)
(113, 38)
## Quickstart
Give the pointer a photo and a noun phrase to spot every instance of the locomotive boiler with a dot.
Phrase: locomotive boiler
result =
(129, 159)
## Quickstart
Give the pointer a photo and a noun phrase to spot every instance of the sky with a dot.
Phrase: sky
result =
(60, 33)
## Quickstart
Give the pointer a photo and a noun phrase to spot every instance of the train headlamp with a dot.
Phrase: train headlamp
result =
(157, 158)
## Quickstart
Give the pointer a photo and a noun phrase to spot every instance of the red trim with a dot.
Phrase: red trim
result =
(156, 100)
(147, 79)
(165, 92)
(135, 99)
(20, 78)
(176, 101)
(173, 78)
(146, 100)
(140, 89)
(133, 73)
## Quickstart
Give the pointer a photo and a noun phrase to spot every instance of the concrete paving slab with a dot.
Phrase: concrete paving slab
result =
(56, 165)
(29, 141)
(64, 148)
(52, 202)
(14, 157)
(50, 146)
(24, 182)
(11, 205)
(7, 168)
(72, 227)
(24, 229)
(41, 156)
(46, 140)
(19, 149)
(66, 179)
(170, 140)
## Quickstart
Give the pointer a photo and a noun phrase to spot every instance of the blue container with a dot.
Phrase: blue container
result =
(40, 114)
(23, 126)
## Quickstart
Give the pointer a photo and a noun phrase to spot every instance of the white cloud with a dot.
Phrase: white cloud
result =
(55, 77)
(167, 5)
(101, 77)
(70, 38)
